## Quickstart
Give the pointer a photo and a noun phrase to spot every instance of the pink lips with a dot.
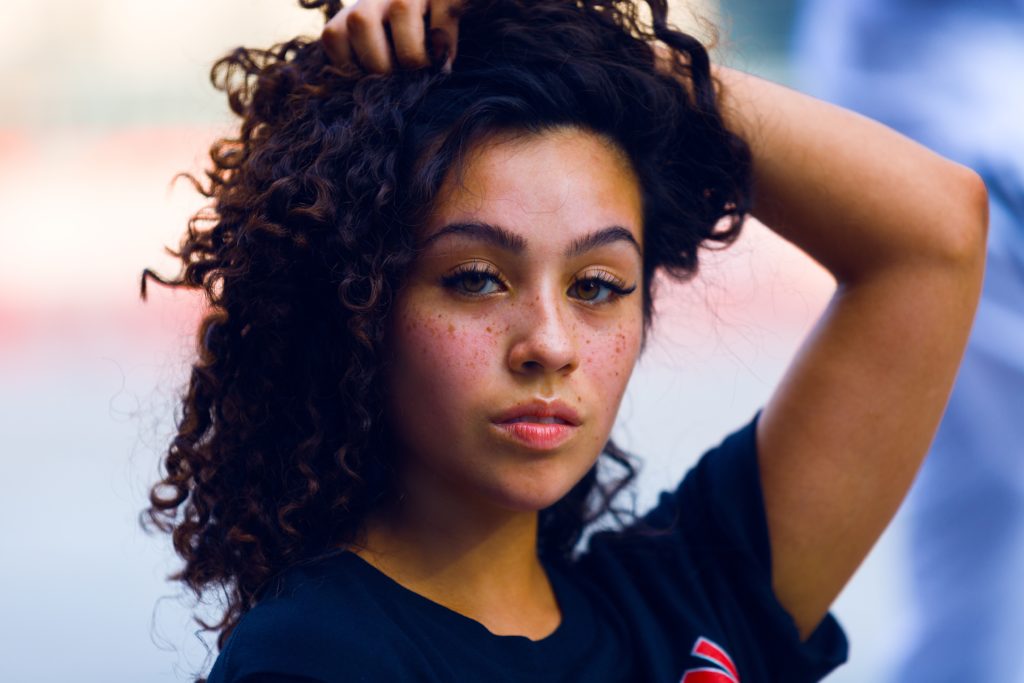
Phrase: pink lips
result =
(539, 425)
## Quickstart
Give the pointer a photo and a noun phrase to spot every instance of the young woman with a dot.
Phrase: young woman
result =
(429, 265)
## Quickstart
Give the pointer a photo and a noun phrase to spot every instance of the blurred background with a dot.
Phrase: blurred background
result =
(102, 102)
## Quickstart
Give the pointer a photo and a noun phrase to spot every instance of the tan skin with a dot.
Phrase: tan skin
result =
(901, 229)
(480, 327)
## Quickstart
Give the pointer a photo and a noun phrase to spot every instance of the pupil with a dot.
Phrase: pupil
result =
(474, 282)
(588, 290)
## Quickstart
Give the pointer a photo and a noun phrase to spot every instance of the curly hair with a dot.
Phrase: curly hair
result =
(280, 452)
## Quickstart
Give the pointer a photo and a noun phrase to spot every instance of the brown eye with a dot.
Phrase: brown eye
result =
(588, 290)
(598, 290)
(474, 282)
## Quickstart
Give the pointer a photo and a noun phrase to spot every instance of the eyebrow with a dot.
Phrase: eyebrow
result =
(509, 241)
(599, 238)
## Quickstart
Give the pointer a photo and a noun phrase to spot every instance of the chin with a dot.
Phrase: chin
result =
(529, 503)
(534, 491)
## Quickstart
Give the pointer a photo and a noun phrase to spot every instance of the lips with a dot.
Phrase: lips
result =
(540, 412)
(538, 425)
(538, 420)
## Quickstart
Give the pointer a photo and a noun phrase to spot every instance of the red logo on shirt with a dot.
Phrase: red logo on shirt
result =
(705, 649)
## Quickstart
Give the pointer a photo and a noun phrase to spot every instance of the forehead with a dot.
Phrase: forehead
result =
(555, 185)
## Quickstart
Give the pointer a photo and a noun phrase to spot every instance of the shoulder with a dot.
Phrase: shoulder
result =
(717, 509)
(698, 567)
(316, 622)
(704, 541)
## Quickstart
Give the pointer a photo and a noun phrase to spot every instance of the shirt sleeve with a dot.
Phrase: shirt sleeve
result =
(698, 567)
(718, 512)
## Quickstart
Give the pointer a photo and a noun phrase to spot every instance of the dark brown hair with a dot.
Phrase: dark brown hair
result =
(280, 452)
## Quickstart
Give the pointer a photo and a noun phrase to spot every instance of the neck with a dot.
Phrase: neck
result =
(474, 558)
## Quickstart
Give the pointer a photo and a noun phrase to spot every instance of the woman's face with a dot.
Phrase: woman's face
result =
(520, 323)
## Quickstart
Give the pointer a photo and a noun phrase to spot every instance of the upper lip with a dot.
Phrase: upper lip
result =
(539, 408)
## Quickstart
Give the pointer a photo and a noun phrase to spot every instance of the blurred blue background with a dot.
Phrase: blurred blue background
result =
(102, 102)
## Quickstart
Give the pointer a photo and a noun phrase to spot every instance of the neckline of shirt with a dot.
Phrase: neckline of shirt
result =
(574, 631)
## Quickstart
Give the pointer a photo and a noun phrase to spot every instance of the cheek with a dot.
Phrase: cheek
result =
(608, 359)
(612, 350)
(443, 356)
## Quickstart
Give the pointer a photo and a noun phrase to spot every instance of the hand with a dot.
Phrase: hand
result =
(422, 32)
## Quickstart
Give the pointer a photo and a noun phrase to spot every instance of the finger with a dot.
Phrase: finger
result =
(335, 40)
(444, 29)
(367, 41)
(407, 32)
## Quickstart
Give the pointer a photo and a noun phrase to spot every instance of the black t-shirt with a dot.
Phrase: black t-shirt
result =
(690, 604)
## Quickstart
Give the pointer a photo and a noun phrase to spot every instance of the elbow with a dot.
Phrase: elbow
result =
(965, 231)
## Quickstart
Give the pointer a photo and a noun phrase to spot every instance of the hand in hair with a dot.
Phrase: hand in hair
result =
(376, 33)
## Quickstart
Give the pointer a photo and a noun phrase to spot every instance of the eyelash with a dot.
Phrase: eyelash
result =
(458, 276)
(616, 287)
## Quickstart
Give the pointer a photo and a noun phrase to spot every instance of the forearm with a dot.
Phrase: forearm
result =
(854, 194)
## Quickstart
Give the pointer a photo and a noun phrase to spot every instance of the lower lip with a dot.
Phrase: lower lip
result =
(536, 435)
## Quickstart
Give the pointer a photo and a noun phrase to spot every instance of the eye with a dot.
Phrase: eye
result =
(473, 279)
(599, 288)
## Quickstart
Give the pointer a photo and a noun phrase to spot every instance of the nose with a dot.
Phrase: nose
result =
(544, 342)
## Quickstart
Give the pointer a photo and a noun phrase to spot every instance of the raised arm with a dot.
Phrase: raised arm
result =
(902, 230)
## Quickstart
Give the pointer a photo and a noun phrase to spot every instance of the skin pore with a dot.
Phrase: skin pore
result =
(527, 291)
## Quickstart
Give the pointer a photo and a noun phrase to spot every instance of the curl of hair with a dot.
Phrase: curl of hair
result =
(281, 449)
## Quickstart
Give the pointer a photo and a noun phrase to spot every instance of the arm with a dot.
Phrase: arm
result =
(902, 230)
